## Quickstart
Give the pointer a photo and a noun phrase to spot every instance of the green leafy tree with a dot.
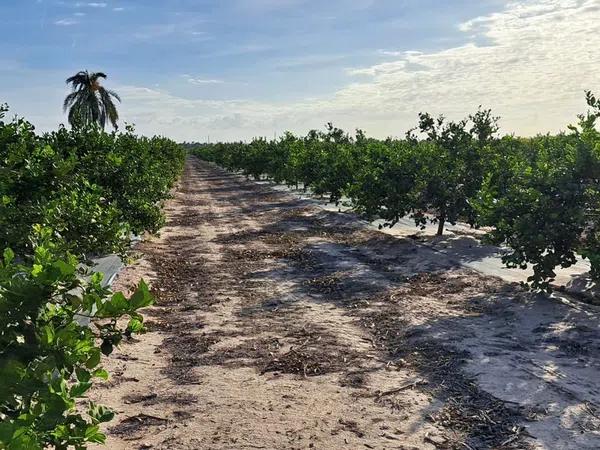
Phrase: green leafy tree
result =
(92, 188)
(71, 191)
(90, 102)
(541, 197)
(384, 183)
(453, 164)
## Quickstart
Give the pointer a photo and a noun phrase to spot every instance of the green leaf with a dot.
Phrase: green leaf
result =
(94, 359)
(107, 347)
(64, 268)
(116, 306)
(37, 269)
(135, 326)
(7, 430)
(100, 414)
(97, 277)
(24, 439)
(93, 434)
(47, 334)
(101, 373)
(79, 389)
(9, 256)
(83, 375)
(141, 297)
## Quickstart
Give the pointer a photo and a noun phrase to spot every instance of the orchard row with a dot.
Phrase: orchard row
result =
(65, 196)
(539, 195)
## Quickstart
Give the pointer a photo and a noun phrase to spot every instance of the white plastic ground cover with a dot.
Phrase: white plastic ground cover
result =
(109, 266)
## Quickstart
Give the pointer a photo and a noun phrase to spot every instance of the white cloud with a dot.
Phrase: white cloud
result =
(119, 9)
(91, 4)
(541, 56)
(158, 112)
(314, 61)
(200, 81)
(390, 52)
(398, 53)
(66, 22)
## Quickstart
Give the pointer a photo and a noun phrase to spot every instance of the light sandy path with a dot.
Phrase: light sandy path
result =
(283, 326)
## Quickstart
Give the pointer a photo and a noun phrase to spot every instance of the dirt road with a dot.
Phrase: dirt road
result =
(283, 326)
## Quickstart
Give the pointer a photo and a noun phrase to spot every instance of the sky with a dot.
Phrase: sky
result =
(233, 69)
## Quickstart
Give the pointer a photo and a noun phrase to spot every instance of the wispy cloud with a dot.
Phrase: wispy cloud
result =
(389, 52)
(91, 4)
(262, 6)
(397, 53)
(202, 81)
(66, 22)
(174, 27)
(312, 62)
(532, 73)
(241, 49)
(155, 31)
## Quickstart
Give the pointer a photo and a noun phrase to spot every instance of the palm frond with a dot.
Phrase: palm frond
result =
(79, 80)
(114, 94)
(69, 100)
(75, 116)
(77, 77)
(109, 107)
(95, 109)
(94, 76)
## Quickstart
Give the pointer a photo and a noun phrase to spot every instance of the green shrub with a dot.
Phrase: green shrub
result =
(64, 195)
(48, 358)
(92, 188)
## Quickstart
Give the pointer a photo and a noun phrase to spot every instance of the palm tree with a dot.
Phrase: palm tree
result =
(90, 102)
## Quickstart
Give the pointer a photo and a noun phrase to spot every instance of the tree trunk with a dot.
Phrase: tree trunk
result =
(441, 223)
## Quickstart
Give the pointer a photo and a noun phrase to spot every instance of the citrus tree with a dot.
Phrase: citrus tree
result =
(542, 199)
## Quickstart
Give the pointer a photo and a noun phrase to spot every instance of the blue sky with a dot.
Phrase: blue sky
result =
(239, 68)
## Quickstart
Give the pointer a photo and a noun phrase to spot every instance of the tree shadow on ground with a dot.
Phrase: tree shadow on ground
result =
(444, 346)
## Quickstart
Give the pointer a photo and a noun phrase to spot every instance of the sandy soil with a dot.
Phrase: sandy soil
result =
(283, 326)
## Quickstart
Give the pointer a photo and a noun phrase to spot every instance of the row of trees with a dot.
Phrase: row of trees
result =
(540, 195)
(94, 189)
(63, 196)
